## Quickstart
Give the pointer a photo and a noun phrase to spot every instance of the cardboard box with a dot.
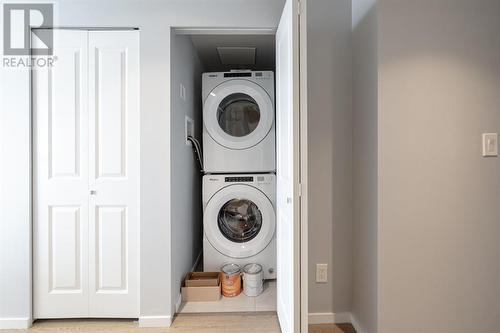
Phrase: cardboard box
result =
(202, 279)
(201, 287)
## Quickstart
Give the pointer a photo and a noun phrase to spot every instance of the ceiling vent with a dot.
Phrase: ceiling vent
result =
(236, 55)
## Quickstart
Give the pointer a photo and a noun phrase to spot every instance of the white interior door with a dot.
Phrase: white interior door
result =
(60, 187)
(86, 177)
(287, 171)
(114, 173)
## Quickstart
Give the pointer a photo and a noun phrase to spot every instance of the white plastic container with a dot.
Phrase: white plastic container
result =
(253, 280)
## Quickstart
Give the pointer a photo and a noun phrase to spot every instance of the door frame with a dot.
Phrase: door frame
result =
(32, 162)
(304, 185)
(302, 134)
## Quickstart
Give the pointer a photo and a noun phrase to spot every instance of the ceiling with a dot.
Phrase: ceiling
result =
(206, 46)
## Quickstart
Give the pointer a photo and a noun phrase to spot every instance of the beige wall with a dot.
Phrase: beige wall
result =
(439, 232)
(365, 160)
(330, 152)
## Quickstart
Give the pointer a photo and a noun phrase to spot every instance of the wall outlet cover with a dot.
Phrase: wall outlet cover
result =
(490, 144)
(321, 273)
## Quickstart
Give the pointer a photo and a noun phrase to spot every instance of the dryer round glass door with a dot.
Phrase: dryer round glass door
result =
(239, 221)
(238, 114)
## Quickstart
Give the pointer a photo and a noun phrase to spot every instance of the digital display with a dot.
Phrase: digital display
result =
(245, 74)
(238, 179)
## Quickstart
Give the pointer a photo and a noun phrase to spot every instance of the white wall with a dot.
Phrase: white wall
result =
(330, 153)
(186, 216)
(365, 165)
(439, 232)
(154, 18)
(15, 203)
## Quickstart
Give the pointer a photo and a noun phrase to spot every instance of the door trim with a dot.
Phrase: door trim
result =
(304, 189)
(223, 31)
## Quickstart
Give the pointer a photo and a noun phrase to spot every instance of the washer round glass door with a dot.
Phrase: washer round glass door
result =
(238, 114)
(239, 221)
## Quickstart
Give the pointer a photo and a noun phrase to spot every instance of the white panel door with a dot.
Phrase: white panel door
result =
(86, 177)
(114, 173)
(60, 187)
(287, 169)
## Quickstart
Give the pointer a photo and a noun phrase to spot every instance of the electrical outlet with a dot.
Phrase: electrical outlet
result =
(321, 273)
(189, 129)
(490, 144)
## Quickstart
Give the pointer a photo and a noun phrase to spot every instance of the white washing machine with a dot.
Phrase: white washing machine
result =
(238, 122)
(239, 221)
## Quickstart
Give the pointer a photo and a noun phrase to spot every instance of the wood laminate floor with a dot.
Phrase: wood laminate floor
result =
(199, 323)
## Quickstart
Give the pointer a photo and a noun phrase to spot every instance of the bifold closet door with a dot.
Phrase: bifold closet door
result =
(60, 186)
(86, 177)
(114, 173)
(288, 158)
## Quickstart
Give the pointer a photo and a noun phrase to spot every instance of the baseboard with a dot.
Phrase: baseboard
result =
(329, 318)
(155, 321)
(15, 323)
(356, 325)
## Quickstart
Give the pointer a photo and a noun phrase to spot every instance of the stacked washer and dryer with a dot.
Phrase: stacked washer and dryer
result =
(239, 187)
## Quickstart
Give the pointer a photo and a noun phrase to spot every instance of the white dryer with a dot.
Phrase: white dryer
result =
(239, 221)
(238, 122)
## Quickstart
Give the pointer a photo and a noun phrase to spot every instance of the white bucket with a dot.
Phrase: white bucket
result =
(253, 280)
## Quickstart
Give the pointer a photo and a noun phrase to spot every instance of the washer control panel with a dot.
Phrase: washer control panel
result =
(238, 179)
(240, 73)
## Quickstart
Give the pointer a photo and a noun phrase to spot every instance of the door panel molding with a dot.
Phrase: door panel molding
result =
(65, 241)
(111, 263)
(64, 128)
(110, 107)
